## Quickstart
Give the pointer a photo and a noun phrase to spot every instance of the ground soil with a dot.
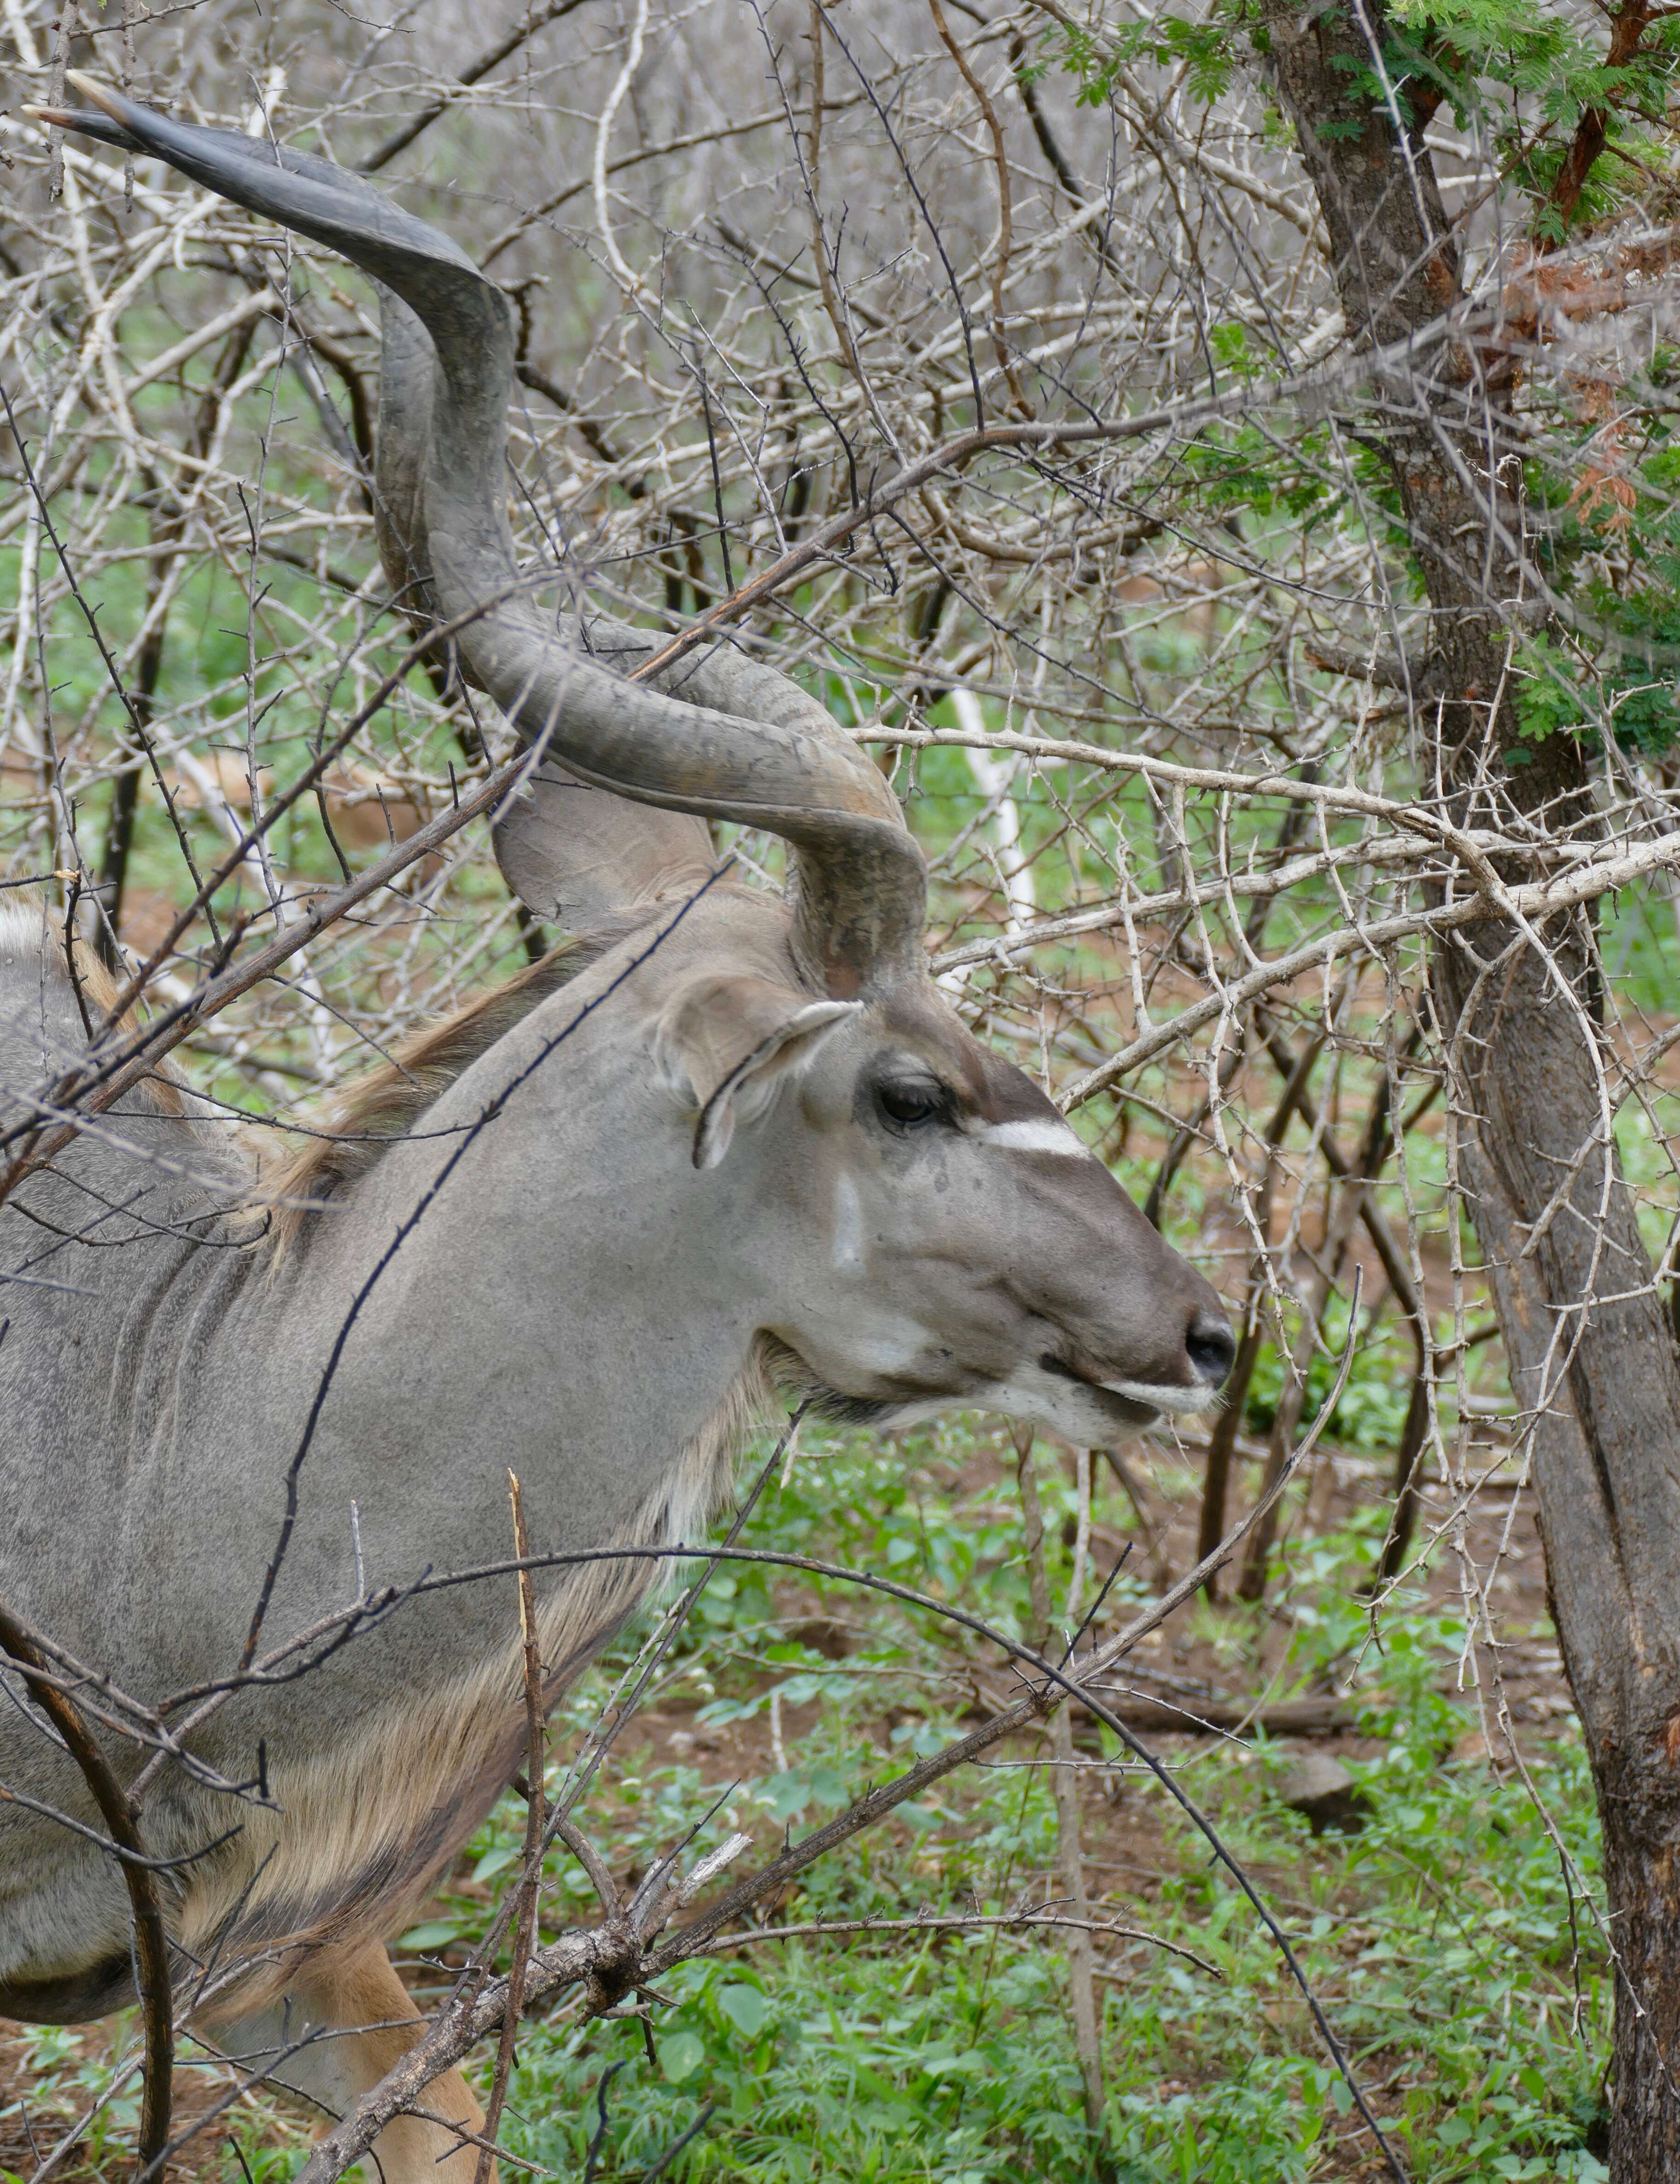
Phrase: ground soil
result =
(38, 2108)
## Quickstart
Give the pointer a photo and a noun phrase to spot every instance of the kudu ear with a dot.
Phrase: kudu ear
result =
(729, 1042)
(573, 853)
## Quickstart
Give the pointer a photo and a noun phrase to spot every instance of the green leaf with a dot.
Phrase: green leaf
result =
(680, 2055)
(955, 2066)
(745, 2009)
(431, 1934)
(784, 1797)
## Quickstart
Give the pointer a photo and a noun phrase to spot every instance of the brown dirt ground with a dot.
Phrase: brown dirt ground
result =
(36, 2110)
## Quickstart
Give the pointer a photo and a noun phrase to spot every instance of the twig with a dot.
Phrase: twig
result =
(151, 1942)
(531, 1875)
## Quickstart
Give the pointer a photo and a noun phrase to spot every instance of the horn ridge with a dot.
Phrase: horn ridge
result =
(764, 754)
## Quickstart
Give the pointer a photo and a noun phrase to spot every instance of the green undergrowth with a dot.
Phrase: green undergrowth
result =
(1464, 1975)
(1439, 1938)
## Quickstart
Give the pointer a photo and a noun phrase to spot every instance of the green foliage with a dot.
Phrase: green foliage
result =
(1523, 74)
(1241, 466)
(820, 2066)
(1442, 1937)
(75, 2072)
(1204, 49)
(1372, 1409)
(69, 2082)
(259, 2163)
(1614, 504)
(1629, 687)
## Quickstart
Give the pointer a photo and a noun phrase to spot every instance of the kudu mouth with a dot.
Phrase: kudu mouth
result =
(1209, 1348)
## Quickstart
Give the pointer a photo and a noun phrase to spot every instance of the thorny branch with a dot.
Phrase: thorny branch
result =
(117, 1810)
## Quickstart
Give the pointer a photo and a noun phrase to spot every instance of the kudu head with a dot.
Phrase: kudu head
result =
(926, 1229)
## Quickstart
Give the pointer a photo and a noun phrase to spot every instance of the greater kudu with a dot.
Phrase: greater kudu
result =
(773, 1160)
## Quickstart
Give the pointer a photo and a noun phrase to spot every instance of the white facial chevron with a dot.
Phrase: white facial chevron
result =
(1035, 1136)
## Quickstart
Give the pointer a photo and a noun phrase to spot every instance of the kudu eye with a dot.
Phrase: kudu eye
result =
(912, 1106)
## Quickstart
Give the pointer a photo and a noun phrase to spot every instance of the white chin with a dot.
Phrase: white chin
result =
(1090, 1417)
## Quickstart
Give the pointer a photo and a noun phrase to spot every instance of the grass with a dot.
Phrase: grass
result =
(1468, 1986)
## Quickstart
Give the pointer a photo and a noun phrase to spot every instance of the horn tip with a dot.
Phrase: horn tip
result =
(108, 102)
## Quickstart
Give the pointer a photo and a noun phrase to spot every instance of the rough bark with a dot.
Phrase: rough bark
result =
(1600, 1387)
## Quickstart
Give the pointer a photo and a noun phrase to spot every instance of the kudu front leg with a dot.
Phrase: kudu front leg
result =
(365, 2022)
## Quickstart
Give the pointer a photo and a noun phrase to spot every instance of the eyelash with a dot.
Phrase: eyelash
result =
(930, 1104)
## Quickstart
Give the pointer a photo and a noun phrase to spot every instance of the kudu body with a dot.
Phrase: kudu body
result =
(772, 1158)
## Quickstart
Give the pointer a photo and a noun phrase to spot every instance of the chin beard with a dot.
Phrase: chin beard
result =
(1044, 1396)
(796, 1383)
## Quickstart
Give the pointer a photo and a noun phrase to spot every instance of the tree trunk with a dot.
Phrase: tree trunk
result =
(1644, 1878)
(1598, 1388)
(1408, 1462)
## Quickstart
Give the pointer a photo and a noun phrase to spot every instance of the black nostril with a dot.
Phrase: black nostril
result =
(1212, 1347)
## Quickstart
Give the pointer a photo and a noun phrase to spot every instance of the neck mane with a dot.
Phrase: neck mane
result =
(382, 1105)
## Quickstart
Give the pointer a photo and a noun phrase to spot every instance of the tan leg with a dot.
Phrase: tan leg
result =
(350, 1989)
